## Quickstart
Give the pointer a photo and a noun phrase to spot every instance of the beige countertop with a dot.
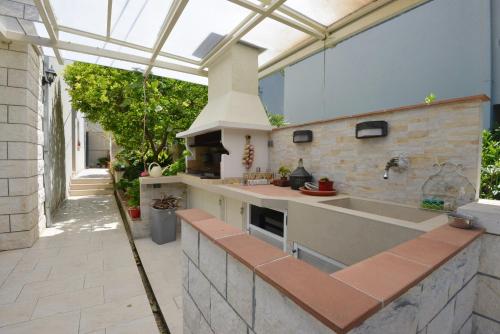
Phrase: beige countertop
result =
(281, 198)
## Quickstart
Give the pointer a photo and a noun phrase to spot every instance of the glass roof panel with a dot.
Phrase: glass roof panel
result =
(273, 36)
(326, 12)
(86, 15)
(138, 21)
(198, 20)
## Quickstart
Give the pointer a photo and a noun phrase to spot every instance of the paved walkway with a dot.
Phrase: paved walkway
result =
(162, 264)
(79, 277)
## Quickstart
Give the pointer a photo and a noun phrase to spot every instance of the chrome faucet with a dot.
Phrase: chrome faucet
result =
(399, 163)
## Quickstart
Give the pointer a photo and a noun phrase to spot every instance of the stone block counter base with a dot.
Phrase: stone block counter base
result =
(235, 283)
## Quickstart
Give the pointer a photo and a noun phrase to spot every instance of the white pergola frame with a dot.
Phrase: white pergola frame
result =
(320, 36)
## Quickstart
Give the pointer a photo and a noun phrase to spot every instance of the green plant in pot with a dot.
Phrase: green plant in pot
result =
(325, 184)
(103, 162)
(134, 199)
(163, 219)
(284, 172)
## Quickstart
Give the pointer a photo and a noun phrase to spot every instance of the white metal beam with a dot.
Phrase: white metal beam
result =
(319, 34)
(100, 52)
(50, 29)
(168, 25)
(125, 44)
(108, 22)
(223, 46)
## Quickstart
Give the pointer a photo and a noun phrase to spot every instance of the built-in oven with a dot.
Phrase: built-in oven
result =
(268, 225)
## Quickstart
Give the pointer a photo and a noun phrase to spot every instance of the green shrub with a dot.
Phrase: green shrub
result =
(103, 161)
(490, 166)
(123, 184)
(276, 120)
(134, 193)
(132, 172)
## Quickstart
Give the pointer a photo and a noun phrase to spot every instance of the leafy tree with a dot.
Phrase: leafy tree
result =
(490, 167)
(143, 115)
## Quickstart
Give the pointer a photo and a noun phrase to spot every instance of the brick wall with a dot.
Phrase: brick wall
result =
(21, 146)
(221, 295)
(427, 135)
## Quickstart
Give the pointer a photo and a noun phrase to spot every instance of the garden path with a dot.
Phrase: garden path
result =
(79, 277)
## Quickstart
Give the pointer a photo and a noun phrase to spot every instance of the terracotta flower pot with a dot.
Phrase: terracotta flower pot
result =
(134, 212)
(283, 182)
(325, 185)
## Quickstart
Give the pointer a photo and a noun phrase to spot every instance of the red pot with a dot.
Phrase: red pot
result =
(134, 212)
(325, 185)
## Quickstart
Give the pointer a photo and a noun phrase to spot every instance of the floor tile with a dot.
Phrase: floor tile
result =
(66, 323)
(143, 325)
(114, 313)
(35, 290)
(16, 312)
(68, 301)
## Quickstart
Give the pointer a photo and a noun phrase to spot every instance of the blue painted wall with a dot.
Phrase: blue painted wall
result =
(495, 14)
(271, 91)
(444, 46)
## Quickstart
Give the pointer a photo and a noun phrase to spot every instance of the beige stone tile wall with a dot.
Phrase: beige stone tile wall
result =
(435, 134)
(21, 146)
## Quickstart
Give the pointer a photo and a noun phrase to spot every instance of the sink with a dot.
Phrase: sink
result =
(391, 210)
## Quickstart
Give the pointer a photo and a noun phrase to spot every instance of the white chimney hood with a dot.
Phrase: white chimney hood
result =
(233, 100)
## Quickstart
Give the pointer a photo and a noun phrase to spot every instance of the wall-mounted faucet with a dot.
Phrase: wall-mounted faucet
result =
(399, 164)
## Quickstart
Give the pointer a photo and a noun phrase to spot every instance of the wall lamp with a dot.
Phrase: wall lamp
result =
(49, 76)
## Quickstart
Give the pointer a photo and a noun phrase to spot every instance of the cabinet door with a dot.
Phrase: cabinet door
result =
(207, 201)
(234, 212)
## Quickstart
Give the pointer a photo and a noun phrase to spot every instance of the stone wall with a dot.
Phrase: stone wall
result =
(221, 295)
(441, 304)
(21, 146)
(426, 134)
(486, 318)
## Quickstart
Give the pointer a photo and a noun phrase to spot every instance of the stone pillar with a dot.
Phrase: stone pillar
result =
(21, 146)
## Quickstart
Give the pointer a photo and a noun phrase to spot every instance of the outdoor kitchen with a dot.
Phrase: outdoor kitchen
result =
(385, 169)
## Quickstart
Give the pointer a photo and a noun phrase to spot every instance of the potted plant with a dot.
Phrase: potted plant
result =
(134, 199)
(103, 162)
(325, 184)
(163, 219)
(283, 171)
(118, 169)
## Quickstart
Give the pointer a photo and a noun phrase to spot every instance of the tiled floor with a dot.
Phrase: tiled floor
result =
(162, 264)
(79, 277)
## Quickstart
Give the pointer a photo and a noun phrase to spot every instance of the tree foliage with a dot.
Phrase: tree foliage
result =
(490, 167)
(143, 115)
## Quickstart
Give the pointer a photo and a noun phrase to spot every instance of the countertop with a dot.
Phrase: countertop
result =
(281, 198)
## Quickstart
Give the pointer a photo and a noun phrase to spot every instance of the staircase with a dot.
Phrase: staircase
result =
(91, 182)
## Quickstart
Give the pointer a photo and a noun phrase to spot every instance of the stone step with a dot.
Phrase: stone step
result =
(83, 186)
(89, 192)
(89, 180)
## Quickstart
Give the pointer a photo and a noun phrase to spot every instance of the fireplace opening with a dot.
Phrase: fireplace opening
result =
(207, 151)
